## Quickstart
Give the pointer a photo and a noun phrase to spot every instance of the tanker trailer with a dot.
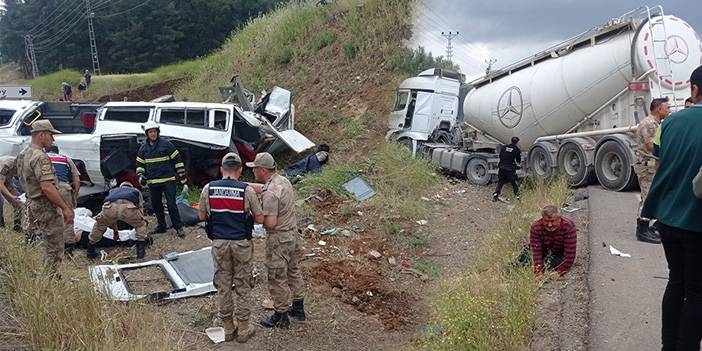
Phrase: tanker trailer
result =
(576, 105)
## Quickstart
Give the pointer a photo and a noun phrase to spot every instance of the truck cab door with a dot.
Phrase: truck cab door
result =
(421, 119)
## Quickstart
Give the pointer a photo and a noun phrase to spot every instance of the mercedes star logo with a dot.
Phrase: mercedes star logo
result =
(510, 107)
(676, 49)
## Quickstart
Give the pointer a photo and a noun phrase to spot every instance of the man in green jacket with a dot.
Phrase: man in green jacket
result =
(679, 213)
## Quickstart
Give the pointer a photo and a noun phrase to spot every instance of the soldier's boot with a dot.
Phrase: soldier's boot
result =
(246, 331)
(140, 249)
(298, 310)
(230, 328)
(495, 196)
(277, 320)
(645, 233)
(68, 249)
(180, 233)
(91, 253)
(17, 226)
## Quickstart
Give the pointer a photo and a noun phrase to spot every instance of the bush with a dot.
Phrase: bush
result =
(322, 40)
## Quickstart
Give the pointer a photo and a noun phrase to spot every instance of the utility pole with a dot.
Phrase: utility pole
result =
(29, 53)
(91, 33)
(489, 62)
(449, 47)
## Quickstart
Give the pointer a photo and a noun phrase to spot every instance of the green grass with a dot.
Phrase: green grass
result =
(48, 87)
(331, 180)
(425, 266)
(67, 314)
(492, 306)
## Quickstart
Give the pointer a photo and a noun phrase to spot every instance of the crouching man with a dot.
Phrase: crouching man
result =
(553, 241)
(230, 208)
(126, 204)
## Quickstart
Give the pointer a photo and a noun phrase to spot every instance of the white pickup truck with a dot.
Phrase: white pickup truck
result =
(202, 132)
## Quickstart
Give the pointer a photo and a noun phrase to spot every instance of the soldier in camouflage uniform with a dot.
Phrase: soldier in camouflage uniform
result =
(645, 166)
(283, 243)
(230, 208)
(47, 212)
(8, 171)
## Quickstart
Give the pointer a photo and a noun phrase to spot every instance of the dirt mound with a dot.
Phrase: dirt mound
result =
(145, 93)
(364, 287)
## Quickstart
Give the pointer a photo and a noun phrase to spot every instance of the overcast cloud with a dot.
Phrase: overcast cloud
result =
(511, 30)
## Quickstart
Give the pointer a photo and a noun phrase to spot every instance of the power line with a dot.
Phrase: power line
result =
(49, 20)
(62, 33)
(125, 11)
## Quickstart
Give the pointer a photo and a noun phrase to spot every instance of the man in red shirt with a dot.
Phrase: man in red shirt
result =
(553, 241)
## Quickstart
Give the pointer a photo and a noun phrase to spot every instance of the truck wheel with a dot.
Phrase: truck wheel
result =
(477, 171)
(613, 167)
(540, 163)
(573, 163)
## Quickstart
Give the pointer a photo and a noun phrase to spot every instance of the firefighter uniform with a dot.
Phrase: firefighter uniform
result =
(126, 204)
(34, 167)
(65, 170)
(158, 163)
(229, 204)
(8, 170)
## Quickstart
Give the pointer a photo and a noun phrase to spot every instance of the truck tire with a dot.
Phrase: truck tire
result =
(477, 171)
(572, 162)
(613, 167)
(540, 162)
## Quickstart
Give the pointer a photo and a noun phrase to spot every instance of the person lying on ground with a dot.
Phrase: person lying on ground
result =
(553, 241)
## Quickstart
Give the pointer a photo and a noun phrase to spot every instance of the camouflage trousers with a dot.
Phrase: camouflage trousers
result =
(233, 264)
(47, 220)
(645, 171)
(120, 210)
(283, 252)
(66, 192)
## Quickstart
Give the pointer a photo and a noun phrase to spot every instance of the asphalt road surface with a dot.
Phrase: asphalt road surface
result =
(626, 293)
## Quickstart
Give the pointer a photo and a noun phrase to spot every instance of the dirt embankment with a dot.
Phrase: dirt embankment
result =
(145, 93)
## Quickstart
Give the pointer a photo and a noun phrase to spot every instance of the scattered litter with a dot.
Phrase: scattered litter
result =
(360, 213)
(346, 232)
(375, 254)
(355, 300)
(311, 227)
(570, 209)
(392, 261)
(216, 334)
(258, 231)
(369, 293)
(422, 222)
(310, 254)
(322, 243)
(267, 304)
(360, 189)
(425, 198)
(616, 252)
(329, 231)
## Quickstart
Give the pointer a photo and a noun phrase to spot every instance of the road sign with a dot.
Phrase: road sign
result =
(15, 92)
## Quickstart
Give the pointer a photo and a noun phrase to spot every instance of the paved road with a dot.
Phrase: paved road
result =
(625, 293)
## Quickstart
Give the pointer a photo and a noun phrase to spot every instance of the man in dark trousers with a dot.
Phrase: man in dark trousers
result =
(158, 161)
(679, 213)
(510, 156)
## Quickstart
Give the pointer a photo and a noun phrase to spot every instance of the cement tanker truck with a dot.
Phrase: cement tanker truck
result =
(575, 106)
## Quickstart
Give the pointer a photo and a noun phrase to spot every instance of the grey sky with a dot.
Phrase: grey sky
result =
(511, 30)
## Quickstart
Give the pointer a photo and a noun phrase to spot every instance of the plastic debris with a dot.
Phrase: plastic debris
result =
(616, 252)
(311, 227)
(360, 189)
(392, 261)
(369, 293)
(216, 334)
(329, 231)
(375, 254)
(322, 243)
(422, 222)
(570, 209)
